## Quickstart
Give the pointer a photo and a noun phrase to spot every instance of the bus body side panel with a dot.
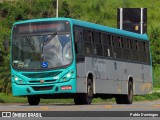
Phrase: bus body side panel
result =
(97, 67)
(111, 77)
(81, 80)
(145, 86)
(142, 80)
(131, 70)
(114, 76)
(108, 77)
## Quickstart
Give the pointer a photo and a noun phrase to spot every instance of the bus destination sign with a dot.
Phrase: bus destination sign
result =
(41, 27)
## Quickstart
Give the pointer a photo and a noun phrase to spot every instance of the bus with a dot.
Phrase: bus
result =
(68, 58)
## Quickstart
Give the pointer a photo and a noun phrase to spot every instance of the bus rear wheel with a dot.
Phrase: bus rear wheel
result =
(33, 100)
(86, 98)
(126, 99)
(129, 97)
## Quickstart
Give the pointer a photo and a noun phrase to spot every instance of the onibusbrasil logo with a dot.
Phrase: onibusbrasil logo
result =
(21, 114)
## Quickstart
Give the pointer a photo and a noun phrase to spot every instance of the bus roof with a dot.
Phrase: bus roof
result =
(93, 26)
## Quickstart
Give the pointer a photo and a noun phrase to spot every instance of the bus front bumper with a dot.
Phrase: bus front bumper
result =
(25, 90)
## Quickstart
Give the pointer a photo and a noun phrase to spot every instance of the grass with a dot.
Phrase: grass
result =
(149, 97)
(10, 99)
(99, 100)
(156, 89)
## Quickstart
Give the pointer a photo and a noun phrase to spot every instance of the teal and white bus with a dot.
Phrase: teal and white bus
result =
(69, 58)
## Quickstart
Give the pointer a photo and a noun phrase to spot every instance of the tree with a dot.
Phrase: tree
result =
(65, 10)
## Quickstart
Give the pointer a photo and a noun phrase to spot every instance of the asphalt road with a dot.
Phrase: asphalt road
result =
(89, 112)
(136, 106)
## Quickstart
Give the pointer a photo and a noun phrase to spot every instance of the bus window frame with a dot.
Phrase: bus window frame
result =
(112, 46)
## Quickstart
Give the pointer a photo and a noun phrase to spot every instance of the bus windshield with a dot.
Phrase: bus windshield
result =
(41, 51)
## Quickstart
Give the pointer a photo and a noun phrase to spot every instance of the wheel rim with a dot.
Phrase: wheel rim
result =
(90, 91)
(130, 93)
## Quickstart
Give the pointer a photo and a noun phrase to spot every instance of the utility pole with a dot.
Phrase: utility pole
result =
(57, 9)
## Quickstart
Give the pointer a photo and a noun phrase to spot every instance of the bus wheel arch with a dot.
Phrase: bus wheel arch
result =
(90, 76)
(127, 98)
(86, 98)
(90, 84)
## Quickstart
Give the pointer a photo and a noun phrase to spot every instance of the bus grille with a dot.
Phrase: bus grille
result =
(41, 75)
(38, 81)
(41, 88)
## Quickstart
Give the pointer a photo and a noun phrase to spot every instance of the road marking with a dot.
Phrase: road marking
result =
(28, 109)
(108, 106)
(44, 108)
(156, 105)
(131, 106)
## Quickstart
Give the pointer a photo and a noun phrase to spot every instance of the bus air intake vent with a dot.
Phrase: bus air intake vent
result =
(41, 88)
(38, 81)
(41, 75)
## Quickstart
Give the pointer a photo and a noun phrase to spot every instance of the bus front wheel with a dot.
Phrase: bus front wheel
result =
(86, 98)
(33, 100)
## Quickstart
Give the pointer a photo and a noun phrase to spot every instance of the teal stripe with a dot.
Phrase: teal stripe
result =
(93, 26)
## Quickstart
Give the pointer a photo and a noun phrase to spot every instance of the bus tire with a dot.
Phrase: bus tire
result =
(77, 99)
(119, 99)
(89, 95)
(33, 100)
(86, 98)
(126, 99)
(129, 98)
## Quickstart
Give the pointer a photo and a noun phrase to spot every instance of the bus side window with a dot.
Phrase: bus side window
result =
(142, 46)
(87, 36)
(126, 49)
(106, 44)
(143, 53)
(148, 53)
(117, 47)
(78, 40)
(135, 50)
(134, 44)
(97, 47)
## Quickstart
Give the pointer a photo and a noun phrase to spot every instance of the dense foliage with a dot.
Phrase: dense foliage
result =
(98, 11)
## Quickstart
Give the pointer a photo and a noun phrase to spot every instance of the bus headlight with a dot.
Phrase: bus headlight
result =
(18, 80)
(67, 76)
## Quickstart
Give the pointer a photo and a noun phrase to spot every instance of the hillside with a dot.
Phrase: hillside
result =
(98, 11)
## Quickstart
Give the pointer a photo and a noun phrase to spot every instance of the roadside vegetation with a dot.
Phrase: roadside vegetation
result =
(10, 99)
(98, 11)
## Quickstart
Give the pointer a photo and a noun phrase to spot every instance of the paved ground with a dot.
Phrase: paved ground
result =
(91, 112)
(136, 106)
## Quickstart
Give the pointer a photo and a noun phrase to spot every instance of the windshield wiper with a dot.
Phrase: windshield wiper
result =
(29, 41)
(45, 42)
